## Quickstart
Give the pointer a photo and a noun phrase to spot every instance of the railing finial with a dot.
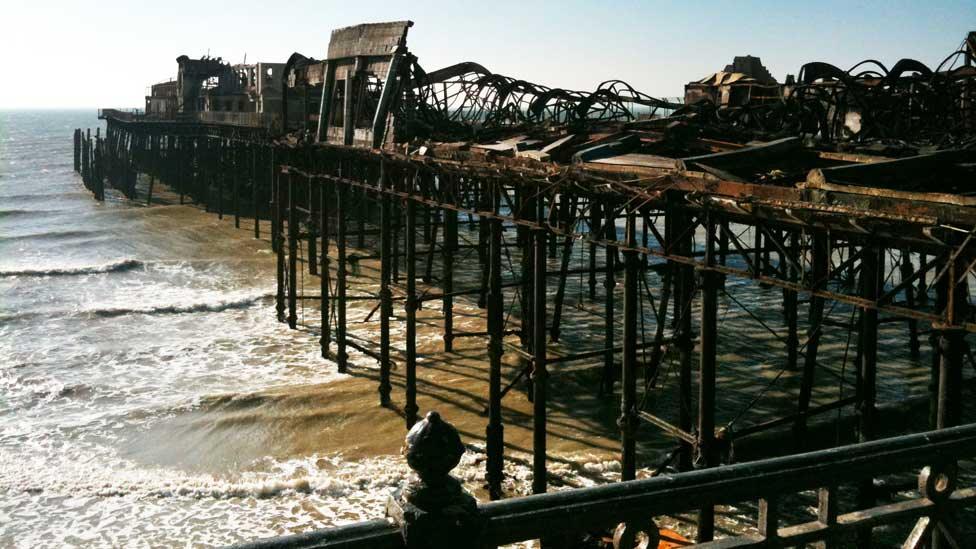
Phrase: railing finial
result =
(434, 511)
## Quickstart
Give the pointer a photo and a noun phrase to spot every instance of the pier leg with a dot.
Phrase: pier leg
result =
(680, 243)
(181, 168)
(279, 251)
(923, 292)
(450, 245)
(221, 172)
(386, 301)
(313, 260)
(77, 149)
(906, 272)
(341, 355)
(527, 210)
(495, 431)
(871, 274)
(628, 381)
(952, 343)
(820, 258)
(255, 210)
(292, 254)
(483, 236)
(594, 229)
(568, 206)
(609, 283)
(362, 214)
(433, 216)
(410, 408)
(236, 173)
(326, 337)
(540, 375)
(706, 375)
(790, 303)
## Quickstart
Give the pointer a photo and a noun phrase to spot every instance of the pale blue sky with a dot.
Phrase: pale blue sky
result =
(105, 53)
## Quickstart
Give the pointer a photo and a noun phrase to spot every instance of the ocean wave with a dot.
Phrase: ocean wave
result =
(201, 307)
(114, 267)
(4, 214)
(49, 235)
(167, 309)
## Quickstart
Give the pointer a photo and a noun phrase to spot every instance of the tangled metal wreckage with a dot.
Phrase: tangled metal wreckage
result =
(838, 188)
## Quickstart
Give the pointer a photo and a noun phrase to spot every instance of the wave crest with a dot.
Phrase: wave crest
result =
(203, 307)
(114, 267)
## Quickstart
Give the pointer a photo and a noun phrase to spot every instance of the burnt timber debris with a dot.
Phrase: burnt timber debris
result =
(854, 187)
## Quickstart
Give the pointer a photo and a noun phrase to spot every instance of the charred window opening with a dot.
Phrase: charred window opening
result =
(368, 100)
(338, 99)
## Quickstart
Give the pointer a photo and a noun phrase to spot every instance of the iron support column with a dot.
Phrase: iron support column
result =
(341, 355)
(386, 302)
(450, 245)
(628, 380)
(495, 431)
(710, 282)
(539, 374)
(609, 283)
(292, 255)
(410, 408)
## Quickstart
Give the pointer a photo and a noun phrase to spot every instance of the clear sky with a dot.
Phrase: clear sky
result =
(87, 54)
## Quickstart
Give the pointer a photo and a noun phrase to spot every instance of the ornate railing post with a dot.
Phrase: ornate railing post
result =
(434, 511)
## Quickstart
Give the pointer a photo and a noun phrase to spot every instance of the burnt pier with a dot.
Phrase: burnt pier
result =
(836, 188)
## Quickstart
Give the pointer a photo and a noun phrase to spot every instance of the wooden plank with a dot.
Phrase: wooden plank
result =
(746, 155)
(638, 159)
(883, 179)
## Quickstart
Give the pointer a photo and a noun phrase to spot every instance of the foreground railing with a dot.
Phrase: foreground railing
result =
(434, 511)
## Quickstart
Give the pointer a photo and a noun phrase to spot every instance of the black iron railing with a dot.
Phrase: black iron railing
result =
(629, 507)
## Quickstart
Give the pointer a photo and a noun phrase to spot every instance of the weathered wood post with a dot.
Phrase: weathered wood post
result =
(77, 150)
(86, 172)
(495, 431)
(434, 511)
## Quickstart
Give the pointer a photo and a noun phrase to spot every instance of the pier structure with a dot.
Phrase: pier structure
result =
(851, 191)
